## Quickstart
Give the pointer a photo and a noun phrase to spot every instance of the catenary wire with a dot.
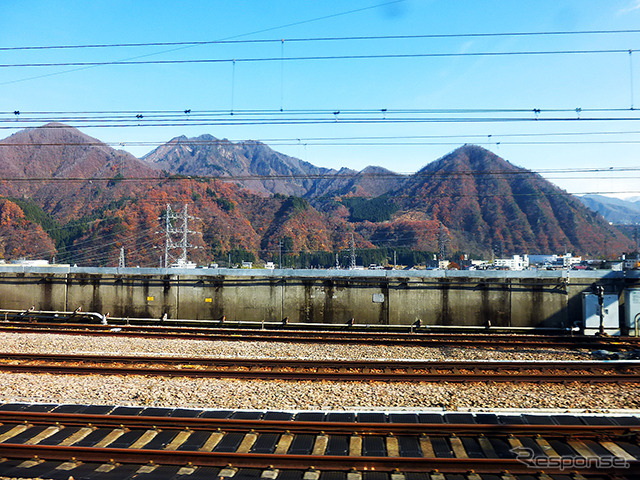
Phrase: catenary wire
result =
(325, 39)
(322, 58)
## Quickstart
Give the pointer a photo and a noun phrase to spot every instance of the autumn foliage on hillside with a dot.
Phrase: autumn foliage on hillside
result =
(82, 201)
(20, 237)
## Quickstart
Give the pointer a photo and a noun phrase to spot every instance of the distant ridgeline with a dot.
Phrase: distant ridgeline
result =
(91, 200)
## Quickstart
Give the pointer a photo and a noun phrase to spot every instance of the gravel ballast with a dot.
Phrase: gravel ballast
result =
(296, 395)
(52, 343)
(259, 394)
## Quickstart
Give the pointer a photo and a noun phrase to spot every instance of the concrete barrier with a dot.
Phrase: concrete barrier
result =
(550, 299)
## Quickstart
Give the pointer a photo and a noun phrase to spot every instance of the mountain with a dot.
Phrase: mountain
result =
(488, 203)
(614, 210)
(257, 167)
(69, 194)
(54, 164)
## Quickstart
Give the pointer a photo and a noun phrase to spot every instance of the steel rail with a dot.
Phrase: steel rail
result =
(285, 461)
(338, 370)
(342, 336)
(308, 427)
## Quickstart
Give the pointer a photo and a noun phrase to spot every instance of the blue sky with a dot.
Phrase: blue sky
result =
(546, 82)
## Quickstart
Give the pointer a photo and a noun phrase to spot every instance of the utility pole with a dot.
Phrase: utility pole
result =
(280, 254)
(395, 262)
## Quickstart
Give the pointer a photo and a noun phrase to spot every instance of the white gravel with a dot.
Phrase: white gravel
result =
(272, 394)
(51, 343)
(259, 394)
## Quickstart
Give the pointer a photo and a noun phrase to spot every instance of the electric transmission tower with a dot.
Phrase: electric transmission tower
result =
(177, 236)
(353, 253)
(442, 242)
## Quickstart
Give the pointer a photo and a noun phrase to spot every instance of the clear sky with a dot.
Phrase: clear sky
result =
(399, 81)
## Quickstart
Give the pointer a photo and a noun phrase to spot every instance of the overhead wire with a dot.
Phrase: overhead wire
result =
(325, 39)
(376, 56)
(255, 32)
(487, 139)
(347, 121)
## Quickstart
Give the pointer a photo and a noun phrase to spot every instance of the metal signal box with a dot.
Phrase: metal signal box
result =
(591, 312)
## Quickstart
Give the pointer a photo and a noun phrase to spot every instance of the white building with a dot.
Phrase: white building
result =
(565, 261)
(517, 262)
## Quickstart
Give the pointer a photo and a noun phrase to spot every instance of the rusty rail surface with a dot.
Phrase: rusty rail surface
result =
(327, 427)
(611, 437)
(611, 371)
(420, 337)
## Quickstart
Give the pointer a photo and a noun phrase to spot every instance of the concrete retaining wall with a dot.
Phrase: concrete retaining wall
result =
(518, 299)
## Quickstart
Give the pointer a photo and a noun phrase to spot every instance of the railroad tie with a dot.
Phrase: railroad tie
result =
(211, 442)
(227, 472)
(145, 469)
(66, 466)
(458, 447)
(76, 437)
(106, 467)
(110, 438)
(270, 474)
(144, 439)
(514, 442)
(321, 444)
(355, 446)
(44, 434)
(310, 475)
(188, 470)
(18, 429)
(283, 444)
(427, 447)
(179, 440)
(546, 447)
(31, 463)
(486, 447)
(617, 450)
(582, 449)
(354, 475)
(393, 449)
(247, 442)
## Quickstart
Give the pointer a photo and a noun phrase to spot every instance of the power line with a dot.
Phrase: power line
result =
(255, 32)
(491, 139)
(57, 119)
(19, 115)
(313, 176)
(321, 58)
(330, 144)
(346, 121)
(326, 39)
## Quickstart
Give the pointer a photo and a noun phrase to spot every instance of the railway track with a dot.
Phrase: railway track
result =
(420, 337)
(336, 370)
(280, 442)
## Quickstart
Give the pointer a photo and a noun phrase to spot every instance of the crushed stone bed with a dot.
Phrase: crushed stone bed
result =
(295, 395)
